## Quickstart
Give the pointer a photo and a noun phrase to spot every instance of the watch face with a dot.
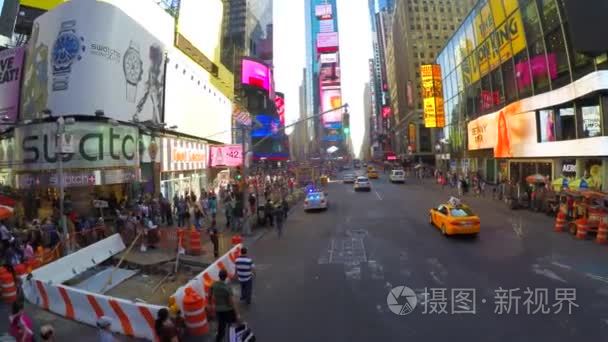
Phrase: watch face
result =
(65, 50)
(132, 66)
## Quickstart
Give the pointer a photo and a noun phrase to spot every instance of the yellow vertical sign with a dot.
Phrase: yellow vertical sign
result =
(432, 95)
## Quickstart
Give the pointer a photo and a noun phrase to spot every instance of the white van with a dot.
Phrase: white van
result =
(397, 176)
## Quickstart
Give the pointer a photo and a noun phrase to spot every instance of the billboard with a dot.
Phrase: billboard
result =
(42, 4)
(327, 58)
(329, 75)
(76, 65)
(512, 133)
(331, 98)
(279, 101)
(327, 42)
(11, 63)
(326, 26)
(8, 17)
(226, 155)
(256, 74)
(95, 145)
(192, 97)
(200, 23)
(323, 12)
(268, 125)
(432, 95)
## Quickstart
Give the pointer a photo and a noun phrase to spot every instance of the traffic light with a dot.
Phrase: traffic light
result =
(346, 123)
(238, 175)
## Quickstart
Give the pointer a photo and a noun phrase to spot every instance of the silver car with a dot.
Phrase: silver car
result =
(362, 183)
(349, 178)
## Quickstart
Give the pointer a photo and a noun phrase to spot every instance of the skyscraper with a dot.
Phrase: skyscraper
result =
(323, 86)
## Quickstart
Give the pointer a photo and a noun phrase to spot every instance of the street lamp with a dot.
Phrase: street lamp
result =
(62, 148)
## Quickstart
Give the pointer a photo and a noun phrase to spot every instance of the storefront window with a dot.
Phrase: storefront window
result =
(566, 124)
(531, 22)
(522, 74)
(557, 58)
(593, 173)
(549, 14)
(508, 77)
(591, 121)
(546, 125)
(538, 67)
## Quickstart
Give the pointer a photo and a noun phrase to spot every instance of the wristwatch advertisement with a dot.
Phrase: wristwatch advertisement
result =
(132, 66)
(68, 47)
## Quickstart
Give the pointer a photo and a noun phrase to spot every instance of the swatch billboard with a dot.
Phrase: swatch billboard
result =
(77, 64)
(11, 64)
(256, 74)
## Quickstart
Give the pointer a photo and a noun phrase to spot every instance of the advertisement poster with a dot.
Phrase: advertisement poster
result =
(327, 42)
(331, 98)
(255, 74)
(323, 12)
(183, 155)
(268, 125)
(11, 63)
(432, 95)
(76, 64)
(96, 145)
(279, 101)
(226, 155)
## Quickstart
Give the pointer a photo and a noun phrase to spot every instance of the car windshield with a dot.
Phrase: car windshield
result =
(398, 173)
(362, 179)
(461, 212)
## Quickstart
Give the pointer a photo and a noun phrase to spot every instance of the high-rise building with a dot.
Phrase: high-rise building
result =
(524, 91)
(420, 29)
(323, 85)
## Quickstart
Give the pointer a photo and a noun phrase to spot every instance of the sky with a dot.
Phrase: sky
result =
(355, 51)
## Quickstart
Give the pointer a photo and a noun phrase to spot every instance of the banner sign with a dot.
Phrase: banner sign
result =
(327, 42)
(96, 145)
(76, 178)
(72, 55)
(11, 63)
(432, 95)
(226, 155)
(328, 58)
(326, 26)
(183, 155)
(323, 11)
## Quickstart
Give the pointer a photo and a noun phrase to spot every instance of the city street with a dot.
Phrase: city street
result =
(329, 277)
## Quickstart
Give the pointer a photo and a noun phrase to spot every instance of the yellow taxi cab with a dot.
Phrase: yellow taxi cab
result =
(370, 168)
(454, 218)
(372, 173)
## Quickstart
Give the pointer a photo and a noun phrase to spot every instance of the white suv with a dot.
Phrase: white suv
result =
(397, 176)
(362, 183)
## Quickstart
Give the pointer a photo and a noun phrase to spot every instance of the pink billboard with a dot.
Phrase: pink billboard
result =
(256, 74)
(331, 98)
(11, 62)
(327, 42)
(226, 155)
(539, 66)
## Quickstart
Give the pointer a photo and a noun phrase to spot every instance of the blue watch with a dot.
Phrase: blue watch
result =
(68, 47)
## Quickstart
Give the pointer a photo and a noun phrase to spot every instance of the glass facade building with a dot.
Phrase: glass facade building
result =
(516, 90)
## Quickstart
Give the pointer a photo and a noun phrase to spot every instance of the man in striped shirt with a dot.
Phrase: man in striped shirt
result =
(245, 270)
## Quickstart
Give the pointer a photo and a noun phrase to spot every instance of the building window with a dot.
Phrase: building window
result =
(557, 58)
(549, 14)
(531, 22)
(428, 26)
(581, 64)
(436, 27)
(498, 94)
(508, 77)
(523, 75)
(412, 27)
(566, 124)
(546, 125)
(486, 99)
(539, 67)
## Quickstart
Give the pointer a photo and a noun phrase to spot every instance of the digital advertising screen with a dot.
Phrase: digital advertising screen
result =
(256, 74)
(279, 101)
(268, 125)
(331, 98)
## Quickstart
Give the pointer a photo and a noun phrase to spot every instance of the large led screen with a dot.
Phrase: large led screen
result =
(279, 101)
(266, 125)
(331, 98)
(256, 74)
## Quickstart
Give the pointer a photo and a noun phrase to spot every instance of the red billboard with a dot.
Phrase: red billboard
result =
(279, 101)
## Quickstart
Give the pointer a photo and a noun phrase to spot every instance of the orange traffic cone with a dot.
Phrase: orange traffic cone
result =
(560, 222)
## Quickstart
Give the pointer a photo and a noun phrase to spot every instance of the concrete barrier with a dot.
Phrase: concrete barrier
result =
(44, 288)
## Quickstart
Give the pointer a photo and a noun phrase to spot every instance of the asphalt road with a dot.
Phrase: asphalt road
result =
(329, 277)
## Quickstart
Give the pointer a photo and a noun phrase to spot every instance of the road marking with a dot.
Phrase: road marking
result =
(555, 263)
(597, 277)
(547, 273)
(378, 195)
